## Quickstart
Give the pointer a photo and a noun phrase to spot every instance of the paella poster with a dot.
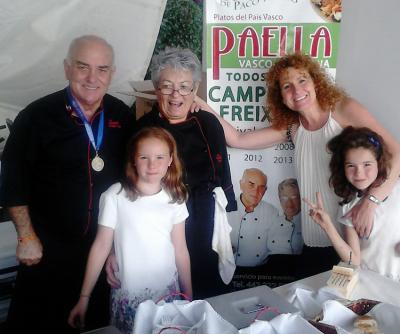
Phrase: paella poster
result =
(243, 39)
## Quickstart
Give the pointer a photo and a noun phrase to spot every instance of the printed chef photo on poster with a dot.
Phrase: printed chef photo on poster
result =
(265, 236)
(242, 41)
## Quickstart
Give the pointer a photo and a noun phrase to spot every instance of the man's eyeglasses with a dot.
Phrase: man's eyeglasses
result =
(168, 90)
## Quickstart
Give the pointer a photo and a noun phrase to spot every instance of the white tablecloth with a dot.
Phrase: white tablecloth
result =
(370, 286)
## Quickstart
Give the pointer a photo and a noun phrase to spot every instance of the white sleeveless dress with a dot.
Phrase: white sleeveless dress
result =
(378, 251)
(312, 168)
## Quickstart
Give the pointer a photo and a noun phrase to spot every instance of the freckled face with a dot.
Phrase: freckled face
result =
(175, 107)
(152, 160)
(361, 167)
(297, 89)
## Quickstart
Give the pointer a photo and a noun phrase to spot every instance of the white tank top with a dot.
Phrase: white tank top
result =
(312, 167)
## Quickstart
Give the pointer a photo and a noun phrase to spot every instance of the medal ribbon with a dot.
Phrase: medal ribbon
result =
(88, 127)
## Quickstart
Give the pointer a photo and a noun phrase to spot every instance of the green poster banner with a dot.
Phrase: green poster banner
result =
(243, 39)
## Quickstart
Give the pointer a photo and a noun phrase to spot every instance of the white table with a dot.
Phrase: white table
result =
(370, 286)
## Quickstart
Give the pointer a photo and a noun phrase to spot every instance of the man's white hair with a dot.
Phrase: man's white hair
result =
(76, 42)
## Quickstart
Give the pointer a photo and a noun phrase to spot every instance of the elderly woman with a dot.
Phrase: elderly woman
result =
(176, 74)
(308, 109)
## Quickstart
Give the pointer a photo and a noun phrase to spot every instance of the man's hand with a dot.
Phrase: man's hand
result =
(29, 251)
(111, 269)
(362, 217)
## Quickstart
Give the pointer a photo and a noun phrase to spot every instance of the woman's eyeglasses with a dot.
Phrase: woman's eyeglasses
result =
(168, 90)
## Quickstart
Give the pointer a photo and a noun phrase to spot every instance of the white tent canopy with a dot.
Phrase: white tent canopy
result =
(34, 38)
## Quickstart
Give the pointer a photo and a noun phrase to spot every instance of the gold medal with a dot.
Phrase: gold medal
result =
(97, 163)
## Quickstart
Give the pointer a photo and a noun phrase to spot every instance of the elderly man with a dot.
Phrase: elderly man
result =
(252, 221)
(285, 236)
(63, 151)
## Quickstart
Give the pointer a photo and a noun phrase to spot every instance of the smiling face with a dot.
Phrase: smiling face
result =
(152, 160)
(297, 89)
(175, 107)
(361, 167)
(89, 72)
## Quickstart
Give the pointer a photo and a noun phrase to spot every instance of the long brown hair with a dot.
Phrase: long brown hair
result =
(328, 94)
(351, 138)
(172, 182)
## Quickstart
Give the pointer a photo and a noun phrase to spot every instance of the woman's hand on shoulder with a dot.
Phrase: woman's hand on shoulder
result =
(200, 104)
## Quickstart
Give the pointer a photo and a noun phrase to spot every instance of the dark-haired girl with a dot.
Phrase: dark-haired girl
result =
(360, 161)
